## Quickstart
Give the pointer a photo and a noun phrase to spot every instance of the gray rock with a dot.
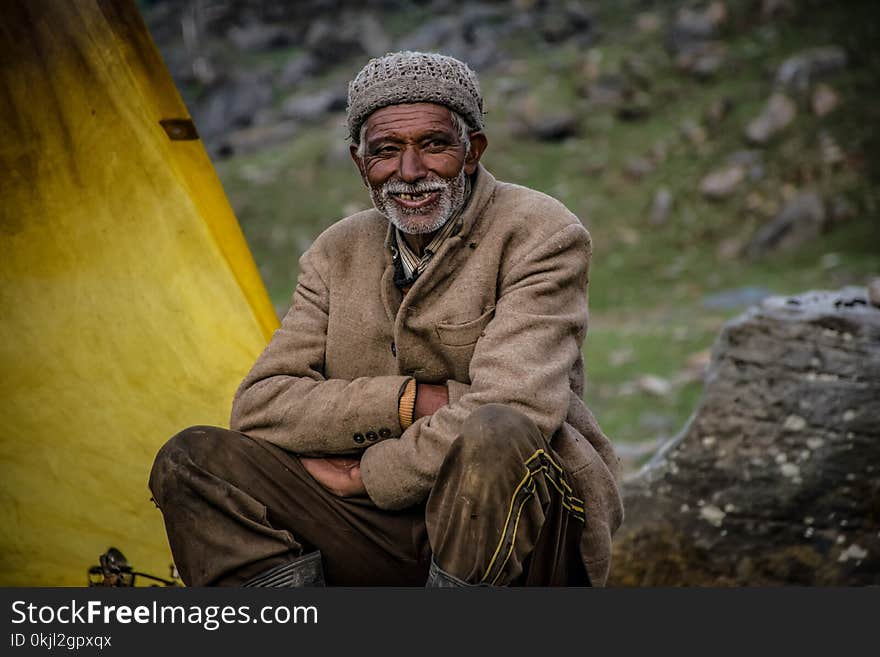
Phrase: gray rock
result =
(549, 127)
(315, 106)
(774, 479)
(723, 182)
(799, 71)
(298, 69)
(556, 24)
(778, 113)
(334, 40)
(751, 160)
(233, 105)
(801, 220)
(694, 26)
(661, 206)
(636, 168)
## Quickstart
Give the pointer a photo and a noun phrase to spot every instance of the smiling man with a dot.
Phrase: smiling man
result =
(418, 418)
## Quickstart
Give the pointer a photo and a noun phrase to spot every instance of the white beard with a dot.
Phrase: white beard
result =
(453, 194)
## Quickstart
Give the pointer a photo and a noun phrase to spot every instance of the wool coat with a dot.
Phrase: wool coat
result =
(499, 316)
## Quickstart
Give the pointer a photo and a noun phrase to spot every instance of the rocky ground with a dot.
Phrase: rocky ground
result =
(719, 152)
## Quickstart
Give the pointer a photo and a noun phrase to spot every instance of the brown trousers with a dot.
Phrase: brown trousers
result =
(501, 512)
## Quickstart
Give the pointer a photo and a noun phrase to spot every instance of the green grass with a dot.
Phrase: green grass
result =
(648, 281)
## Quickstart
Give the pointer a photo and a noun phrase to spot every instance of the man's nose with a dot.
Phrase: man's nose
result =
(412, 168)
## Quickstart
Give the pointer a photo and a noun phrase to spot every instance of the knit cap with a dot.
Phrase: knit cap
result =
(414, 77)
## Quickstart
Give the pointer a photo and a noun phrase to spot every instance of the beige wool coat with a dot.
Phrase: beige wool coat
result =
(499, 315)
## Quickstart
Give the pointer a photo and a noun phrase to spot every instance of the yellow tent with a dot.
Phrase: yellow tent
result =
(130, 306)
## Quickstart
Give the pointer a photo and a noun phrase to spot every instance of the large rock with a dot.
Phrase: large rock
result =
(776, 478)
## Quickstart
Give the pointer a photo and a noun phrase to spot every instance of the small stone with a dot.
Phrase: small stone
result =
(790, 470)
(808, 532)
(794, 423)
(830, 150)
(722, 183)
(825, 100)
(849, 416)
(815, 443)
(840, 540)
(661, 206)
(684, 508)
(781, 457)
(694, 132)
(778, 113)
(622, 356)
(654, 385)
(637, 168)
(854, 551)
(708, 441)
(648, 22)
(712, 514)
(809, 520)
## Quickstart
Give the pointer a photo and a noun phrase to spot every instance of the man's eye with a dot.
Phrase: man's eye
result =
(385, 150)
(436, 144)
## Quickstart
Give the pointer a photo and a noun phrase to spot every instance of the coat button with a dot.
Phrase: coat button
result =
(394, 350)
(371, 436)
(358, 437)
(385, 432)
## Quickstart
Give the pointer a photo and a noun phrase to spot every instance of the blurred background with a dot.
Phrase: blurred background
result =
(718, 152)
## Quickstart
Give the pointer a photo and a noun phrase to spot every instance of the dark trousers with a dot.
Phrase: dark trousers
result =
(501, 512)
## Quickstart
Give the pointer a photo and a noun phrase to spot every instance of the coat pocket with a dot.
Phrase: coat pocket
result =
(462, 335)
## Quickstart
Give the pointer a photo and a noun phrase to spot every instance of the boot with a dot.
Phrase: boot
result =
(439, 578)
(303, 571)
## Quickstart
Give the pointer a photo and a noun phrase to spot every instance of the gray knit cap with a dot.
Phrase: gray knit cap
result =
(414, 77)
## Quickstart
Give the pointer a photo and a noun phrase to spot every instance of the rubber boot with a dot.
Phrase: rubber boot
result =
(303, 571)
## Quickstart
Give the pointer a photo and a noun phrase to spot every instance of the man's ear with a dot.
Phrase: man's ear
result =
(479, 142)
(358, 162)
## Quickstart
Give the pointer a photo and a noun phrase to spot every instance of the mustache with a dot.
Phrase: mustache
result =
(421, 187)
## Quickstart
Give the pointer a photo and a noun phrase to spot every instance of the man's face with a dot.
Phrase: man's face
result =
(415, 165)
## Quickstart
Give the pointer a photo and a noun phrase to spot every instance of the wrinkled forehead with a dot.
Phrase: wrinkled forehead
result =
(408, 120)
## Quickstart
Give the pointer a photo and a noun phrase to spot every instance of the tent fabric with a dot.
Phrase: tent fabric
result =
(130, 305)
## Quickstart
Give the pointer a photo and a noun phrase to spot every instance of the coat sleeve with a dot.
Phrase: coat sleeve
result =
(285, 398)
(523, 360)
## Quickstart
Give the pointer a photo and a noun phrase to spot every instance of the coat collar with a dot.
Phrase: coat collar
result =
(482, 190)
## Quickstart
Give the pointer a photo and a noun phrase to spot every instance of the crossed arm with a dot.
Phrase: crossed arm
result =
(341, 475)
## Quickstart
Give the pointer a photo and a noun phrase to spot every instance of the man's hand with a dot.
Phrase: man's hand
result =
(339, 474)
(429, 399)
